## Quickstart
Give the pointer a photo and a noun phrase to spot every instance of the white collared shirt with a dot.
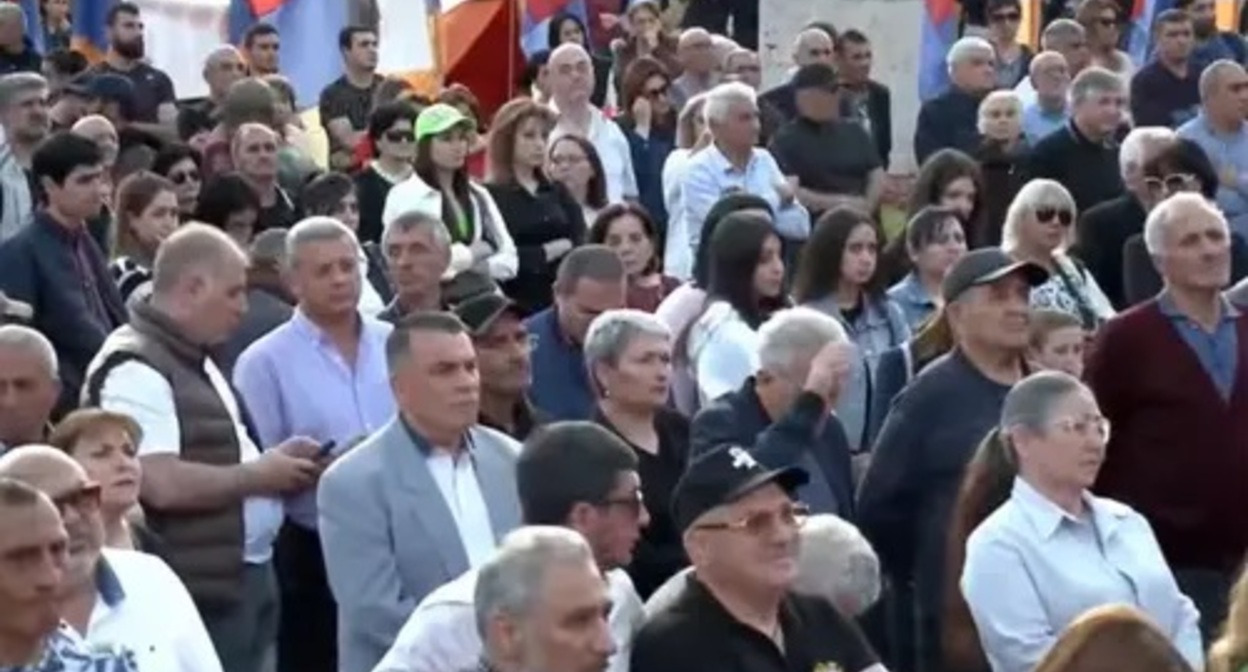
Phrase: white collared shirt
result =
(457, 481)
(617, 157)
(143, 607)
(441, 635)
(141, 392)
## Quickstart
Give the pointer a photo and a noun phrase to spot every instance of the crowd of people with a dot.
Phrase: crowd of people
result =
(637, 371)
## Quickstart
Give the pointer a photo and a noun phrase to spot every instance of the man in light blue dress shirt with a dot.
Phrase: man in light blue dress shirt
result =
(1048, 112)
(322, 375)
(1220, 130)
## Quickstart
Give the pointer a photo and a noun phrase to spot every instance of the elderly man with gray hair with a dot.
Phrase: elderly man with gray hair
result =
(950, 120)
(25, 123)
(1084, 159)
(17, 51)
(417, 250)
(782, 412)
(1221, 131)
(1067, 38)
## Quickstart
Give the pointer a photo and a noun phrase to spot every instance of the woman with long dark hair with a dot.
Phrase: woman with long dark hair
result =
(574, 162)
(229, 203)
(839, 275)
(648, 120)
(441, 188)
(179, 164)
(746, 285)
(951, 179)
(629, 230)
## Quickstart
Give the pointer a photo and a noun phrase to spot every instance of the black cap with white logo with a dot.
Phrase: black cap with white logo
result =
(723, 476)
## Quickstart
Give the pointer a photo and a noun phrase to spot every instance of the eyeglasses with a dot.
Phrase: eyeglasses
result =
(1091, 425)
(1063, 217)
(85, 499)
(1004, 17)
(398, 136)
(183, 176)
(760, 522)
(632, 504)
(1170, 184)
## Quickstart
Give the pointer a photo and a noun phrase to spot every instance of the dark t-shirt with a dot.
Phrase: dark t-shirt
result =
(696, 634)
(832, 158)
(1161, 98)
(342, 99)
(152, 88)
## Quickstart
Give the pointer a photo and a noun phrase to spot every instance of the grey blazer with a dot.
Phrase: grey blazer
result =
(389, 537)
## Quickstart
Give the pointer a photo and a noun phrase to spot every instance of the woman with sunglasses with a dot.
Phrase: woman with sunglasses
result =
(1102, 23)
(391, 130)
(1013, 57)
(1054, 550)
(179, 164)
(648, 120)
(1038, 229)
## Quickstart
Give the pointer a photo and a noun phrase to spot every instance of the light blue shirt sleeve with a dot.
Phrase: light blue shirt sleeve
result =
(1005, 605)
(257, 384)
(701, 191)
(793, 219)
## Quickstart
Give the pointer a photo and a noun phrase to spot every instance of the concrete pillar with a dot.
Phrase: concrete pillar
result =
(893, 28)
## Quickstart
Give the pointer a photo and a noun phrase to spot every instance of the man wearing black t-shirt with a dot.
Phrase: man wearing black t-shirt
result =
(738, 612)
(346, 102)
(1166, 92)
(154, 109)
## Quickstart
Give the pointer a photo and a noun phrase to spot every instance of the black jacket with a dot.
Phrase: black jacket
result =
(1100, 236)
(950, 120)
(880, 114)
(1141, 281)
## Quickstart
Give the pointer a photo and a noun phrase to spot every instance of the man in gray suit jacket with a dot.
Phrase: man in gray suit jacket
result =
(421, 501)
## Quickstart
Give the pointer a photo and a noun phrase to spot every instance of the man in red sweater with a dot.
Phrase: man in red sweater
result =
(1171, 375)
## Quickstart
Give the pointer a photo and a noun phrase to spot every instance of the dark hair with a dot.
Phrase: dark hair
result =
(819, 271)
(532, 69)
(588, 262)
(633, 86)
(67, 62)
(346, 36)
(118, 9)
(396, 89)
(61, 154)
(1184, 156)
(985, 486)
(258, 30)
(428, 172)
(386, 115)
(171, 155)
(224, 195)
(851, 36)
(134, 195)
(1170, 16)
(325, 193)
(569, 463)
(940, 169)
(736, 248)
(596, 191)
(556, 26)
(726, 205)
(399, 342)
(601, 228)
(991, 6)
(193, 120)
(501, 145)
(1089, 11)
(924, 228)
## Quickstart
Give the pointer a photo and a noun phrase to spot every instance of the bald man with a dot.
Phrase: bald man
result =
(223, 66)
(115, 598)
(1047, 111)
(207, 490)
(700, 64)
(253, 152)
(100, 130)
(812, 45)
(1220, 130)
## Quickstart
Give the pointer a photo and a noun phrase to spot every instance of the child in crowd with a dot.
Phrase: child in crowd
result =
(1057, 342)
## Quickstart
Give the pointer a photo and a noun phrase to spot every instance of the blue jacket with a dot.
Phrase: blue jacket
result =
(649, 155)
(560, 382)
(807, 436)
(38, 266)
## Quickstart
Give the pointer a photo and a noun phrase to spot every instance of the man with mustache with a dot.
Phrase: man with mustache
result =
(154, 110)
(126, 600)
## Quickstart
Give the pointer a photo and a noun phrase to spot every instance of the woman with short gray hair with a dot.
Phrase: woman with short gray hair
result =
(1054, 550)
(1039, 228)
(629, 357)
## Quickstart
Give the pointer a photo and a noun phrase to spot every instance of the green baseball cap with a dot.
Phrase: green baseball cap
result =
(438, 119)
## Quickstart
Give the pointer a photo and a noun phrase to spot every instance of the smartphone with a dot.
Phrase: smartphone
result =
(326, 448)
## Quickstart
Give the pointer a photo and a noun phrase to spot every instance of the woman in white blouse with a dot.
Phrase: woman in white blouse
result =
(1039, 228)
(1054, 550)
(745, 285)
(691, 137)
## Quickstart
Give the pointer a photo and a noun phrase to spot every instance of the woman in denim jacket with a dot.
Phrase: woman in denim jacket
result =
(839, 274)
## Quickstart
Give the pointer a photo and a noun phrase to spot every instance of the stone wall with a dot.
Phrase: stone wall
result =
(893, 28)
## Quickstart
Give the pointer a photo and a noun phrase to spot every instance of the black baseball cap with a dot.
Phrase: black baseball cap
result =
(722, 476)
(986, 266)
(480, 312)
(815, 76)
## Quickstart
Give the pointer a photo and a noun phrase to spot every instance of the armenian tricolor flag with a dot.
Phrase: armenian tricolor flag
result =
(938, 32)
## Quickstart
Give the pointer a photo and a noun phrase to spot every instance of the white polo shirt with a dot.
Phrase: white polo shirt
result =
(441, 635)
(142, 606)
(617, 157)
(141, 392)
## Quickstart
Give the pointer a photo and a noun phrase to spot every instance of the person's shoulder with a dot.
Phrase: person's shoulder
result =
(457, 592)
(364, 462)
(491, 439)
(141, 567)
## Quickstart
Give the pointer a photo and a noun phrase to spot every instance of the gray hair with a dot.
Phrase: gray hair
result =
(612, 332)
(1030, 403)
(315, 229)
(268, 248)
(968, 47)
(1211, 77)
(838, 564)
(1141, 144)
(510, 582)
(684, 123)
(1061, 33)
(18, 337)
(1044, 59)
(1006, 96)
(1036, 194)
(18, 83)
(793, 334)
(12, 11)
(411, 221)
(1095, 81)
(1177, 207)
(721, 99)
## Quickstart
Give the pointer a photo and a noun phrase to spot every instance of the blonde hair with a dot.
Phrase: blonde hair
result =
(1230, 652)
(1112, 638)
(1035, 195)
(1045, 321)
(995, 99)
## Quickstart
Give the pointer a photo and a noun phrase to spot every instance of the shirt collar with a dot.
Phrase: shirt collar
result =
(424, 446)
(724, 165)
(1165, 303)
(107, 584)
(911, 289)
(1047, 517)
(300, 322)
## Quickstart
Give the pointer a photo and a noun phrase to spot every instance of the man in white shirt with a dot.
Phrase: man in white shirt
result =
(572, 474)
(125, 599)
(571, 78)
(207, 490)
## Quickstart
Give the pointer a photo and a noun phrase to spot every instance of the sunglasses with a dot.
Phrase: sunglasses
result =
(1170, 184)
(83, 500)
(1063, 217)
(759, 523)
(398, 136)
(657, 93)
(183, 176)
